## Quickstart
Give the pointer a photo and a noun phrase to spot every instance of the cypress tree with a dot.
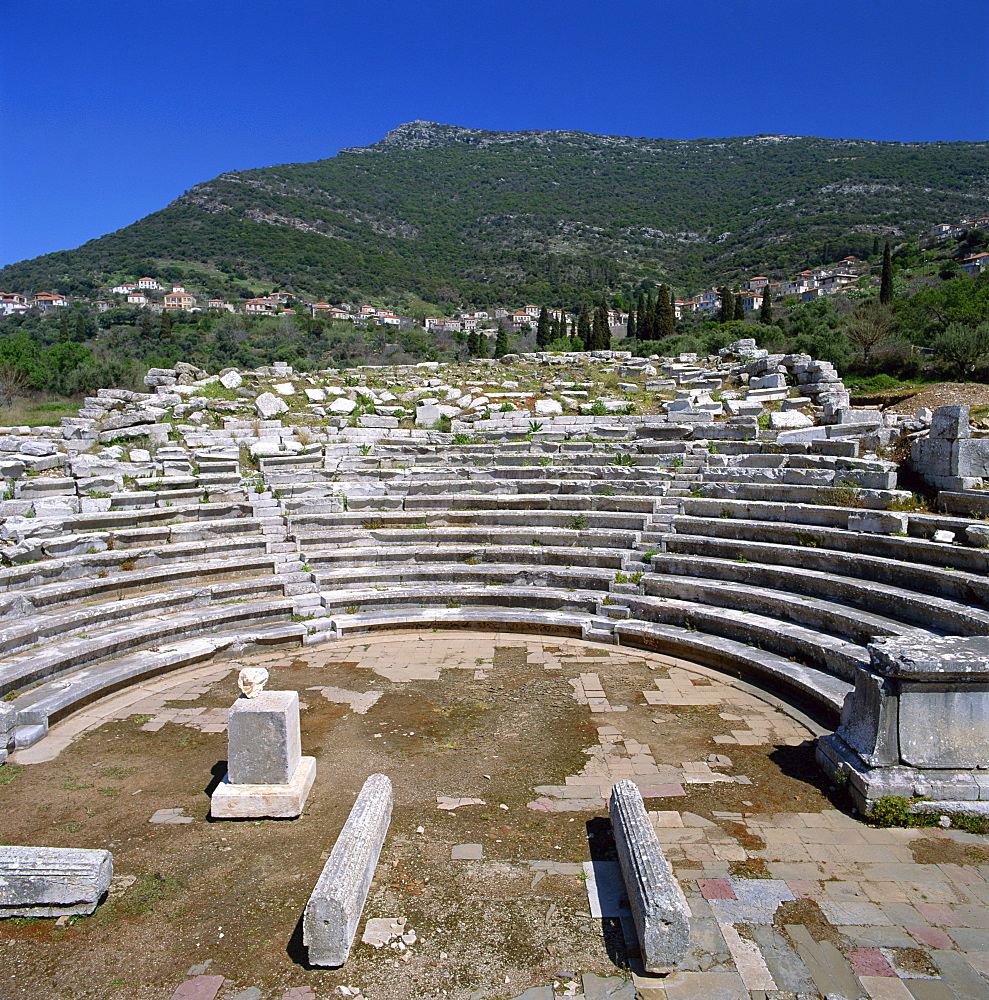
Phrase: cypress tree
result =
(727, 309)
(166, 326)
(601, 332)
(482, 345)
(630, 328)
(664, 314)
(543, 333)
(147, 332)
(584, 327)
(80, 327)
(501, 343)
(739, 307)
(63, 327)
(641, 331)
(886, 282)
(875, 246)
(766, 309)
(472, 344)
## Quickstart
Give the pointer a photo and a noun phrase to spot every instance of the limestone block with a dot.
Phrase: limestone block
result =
(773, 381)
(52, 881)
(659, 908)
(264, 745)
(879, 522)
(869, 719)
(945, 537)
(342, 406)
(971, 457)
(316, 395)
(333, 912)
(427, 415)
(950, 422)
(232, 380)
(977, 535)
(269, 406)
(548, 408)
(285, 389)
(789, 420)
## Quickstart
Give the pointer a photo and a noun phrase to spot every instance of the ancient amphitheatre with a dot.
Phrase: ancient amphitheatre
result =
(507, 586)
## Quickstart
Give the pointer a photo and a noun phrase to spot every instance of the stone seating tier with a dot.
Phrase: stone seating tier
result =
(902, 549)
(108, 642)
(920, 610)
(967, 588)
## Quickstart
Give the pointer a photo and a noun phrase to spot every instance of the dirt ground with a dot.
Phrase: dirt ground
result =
(227, 896)
(975, 394)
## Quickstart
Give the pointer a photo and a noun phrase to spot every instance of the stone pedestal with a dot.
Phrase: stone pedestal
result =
(267, 774)
(917, 724)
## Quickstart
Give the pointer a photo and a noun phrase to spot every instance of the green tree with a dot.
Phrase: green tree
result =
(886, 281)
(962, 346)
(726, 312)
(482, 345)
(543, 332)
(584, 327)
(166, 326)
(630, 328)
(664, 314)
(472, 340)
(766, 309)
(501, 343)
(739, 306)
(601, 331)
(80, 333)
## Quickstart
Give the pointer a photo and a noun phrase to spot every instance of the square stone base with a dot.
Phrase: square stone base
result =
(258, 801)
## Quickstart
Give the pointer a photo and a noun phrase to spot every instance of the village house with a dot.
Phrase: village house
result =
(260, 307)
(123, 289)
(148, 284)
(136, 298)
(219, 304)
(48, 300)
(179, 298)
(11, 303)
(387, 319)
(282, 297)
(975, 264)
(756, 284)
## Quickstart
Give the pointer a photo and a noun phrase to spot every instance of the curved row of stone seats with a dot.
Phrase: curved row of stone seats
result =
(142, 563)
(477, 574)
(818, 688)
(822, 649)
(67, 619)
(562, 623)
(720, 541)
(818, 614)
(36, 540)
(77, 579)
(873, 499)
(455, 595)
(108, 642)
(177, 647)
(794, 581)
(900, 548)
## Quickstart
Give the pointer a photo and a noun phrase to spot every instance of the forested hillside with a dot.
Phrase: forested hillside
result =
(457, 215)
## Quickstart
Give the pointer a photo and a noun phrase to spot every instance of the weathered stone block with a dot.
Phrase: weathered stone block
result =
(950, 422)
(659, 908)
(869, 719)
(264, 744)
(52, 881)
(329, 924)
(879, 522)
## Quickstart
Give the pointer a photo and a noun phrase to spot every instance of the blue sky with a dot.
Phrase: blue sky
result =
(112, 108)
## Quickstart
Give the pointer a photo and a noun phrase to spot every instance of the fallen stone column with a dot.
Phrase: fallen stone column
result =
(52, 881)
(334, 908)
(658, 905)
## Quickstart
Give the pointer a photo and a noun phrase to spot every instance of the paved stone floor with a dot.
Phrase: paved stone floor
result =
(783, 903)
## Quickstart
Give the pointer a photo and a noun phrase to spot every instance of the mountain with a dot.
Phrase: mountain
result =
(456, 214)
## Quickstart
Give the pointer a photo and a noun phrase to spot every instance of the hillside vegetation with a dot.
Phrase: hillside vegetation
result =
(455, 215)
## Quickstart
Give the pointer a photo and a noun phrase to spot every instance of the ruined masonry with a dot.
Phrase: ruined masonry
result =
(735, 510)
